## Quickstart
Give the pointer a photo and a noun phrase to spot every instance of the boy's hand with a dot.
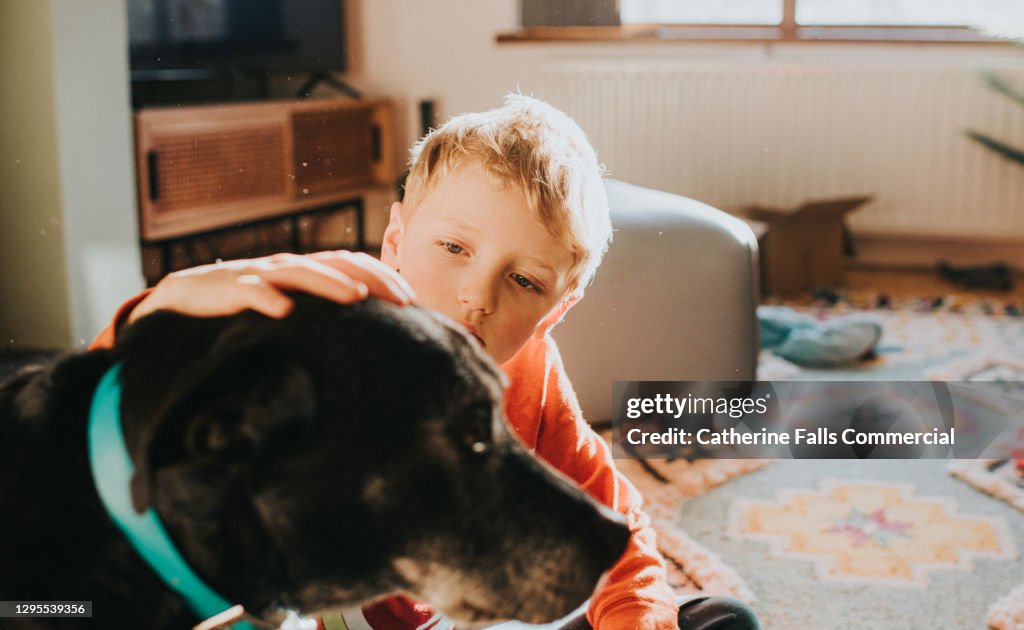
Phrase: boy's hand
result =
(260, 284)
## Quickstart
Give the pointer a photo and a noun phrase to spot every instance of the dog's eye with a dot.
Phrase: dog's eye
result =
(476, 442)
(477, 434)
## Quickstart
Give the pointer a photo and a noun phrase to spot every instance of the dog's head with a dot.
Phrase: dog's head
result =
(344, 453)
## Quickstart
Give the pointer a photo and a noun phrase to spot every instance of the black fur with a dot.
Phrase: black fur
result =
(322, 460)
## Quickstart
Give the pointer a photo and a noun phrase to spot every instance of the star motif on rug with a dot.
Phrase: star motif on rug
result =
(861, 528)
(870, 531)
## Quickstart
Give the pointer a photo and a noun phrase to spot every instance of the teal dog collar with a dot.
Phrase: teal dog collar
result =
(112, 472)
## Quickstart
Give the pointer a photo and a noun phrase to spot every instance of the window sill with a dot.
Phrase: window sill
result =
(744, 34)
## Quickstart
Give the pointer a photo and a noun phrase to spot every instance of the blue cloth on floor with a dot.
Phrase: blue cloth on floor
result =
(806, 341)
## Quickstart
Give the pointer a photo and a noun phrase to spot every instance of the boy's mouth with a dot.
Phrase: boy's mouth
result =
(473, 331)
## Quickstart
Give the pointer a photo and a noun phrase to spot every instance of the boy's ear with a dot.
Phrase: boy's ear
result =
(392, 237)
(558, 312)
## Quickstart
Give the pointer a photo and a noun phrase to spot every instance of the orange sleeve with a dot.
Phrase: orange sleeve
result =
(108, 335)
(636, 595)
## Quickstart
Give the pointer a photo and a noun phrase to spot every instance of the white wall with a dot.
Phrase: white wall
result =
(446, 50)
(96, 156)
(68, 237)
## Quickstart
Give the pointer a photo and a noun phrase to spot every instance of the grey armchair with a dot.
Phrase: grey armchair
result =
(674, 299)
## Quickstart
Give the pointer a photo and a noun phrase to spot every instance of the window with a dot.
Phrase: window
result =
(848, 20)
(997, 15)
(890, 12)
(711, 12)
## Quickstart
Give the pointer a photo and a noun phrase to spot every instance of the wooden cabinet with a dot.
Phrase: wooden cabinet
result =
(215, 167)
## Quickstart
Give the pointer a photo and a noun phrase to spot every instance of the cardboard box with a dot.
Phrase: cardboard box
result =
(803, 248)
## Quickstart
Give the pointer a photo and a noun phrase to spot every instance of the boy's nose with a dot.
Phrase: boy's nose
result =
(478, 297)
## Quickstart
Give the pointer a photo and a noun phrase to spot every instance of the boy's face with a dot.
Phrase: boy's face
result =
(474, 251)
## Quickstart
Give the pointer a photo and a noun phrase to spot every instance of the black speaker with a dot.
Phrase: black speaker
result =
(426, 116)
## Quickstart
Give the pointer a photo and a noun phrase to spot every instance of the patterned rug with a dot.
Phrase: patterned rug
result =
(881, 544)
(1004, 480)
(870, 531)
(1002, 375)
(863, 544)
(1001, 478)
(665, 486)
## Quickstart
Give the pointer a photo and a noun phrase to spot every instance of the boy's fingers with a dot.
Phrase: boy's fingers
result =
(255, 293)
(383, 281)
(316, 279)
(260, 284)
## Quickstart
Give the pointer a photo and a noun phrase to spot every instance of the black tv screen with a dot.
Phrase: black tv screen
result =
(172, 39)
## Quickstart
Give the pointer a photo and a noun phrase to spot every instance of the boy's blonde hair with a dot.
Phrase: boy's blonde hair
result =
(538, 149)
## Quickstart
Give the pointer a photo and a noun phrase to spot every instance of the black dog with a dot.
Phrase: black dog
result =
(323, 460)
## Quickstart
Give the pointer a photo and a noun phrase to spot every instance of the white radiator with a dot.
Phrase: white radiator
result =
(776, 134)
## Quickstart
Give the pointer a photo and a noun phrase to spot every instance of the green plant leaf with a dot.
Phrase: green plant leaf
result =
(1003, 149)
(1000, 85)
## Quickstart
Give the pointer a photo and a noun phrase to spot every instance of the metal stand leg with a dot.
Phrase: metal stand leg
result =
(296, 240)
(165, 255)
(360, 225)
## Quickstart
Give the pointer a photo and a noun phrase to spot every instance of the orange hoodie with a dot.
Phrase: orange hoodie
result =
(542, 408)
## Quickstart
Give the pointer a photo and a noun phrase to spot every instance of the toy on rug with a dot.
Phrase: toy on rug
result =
(807, 341)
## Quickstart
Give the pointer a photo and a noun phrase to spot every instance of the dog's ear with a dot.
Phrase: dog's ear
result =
(230, 413)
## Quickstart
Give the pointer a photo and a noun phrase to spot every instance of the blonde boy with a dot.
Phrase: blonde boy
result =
(503, 224)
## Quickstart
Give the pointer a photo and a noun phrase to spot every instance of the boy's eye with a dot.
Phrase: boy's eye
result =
(452, 248)
(524, 282)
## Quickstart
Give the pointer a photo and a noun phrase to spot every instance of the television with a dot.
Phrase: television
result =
(175, 40)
